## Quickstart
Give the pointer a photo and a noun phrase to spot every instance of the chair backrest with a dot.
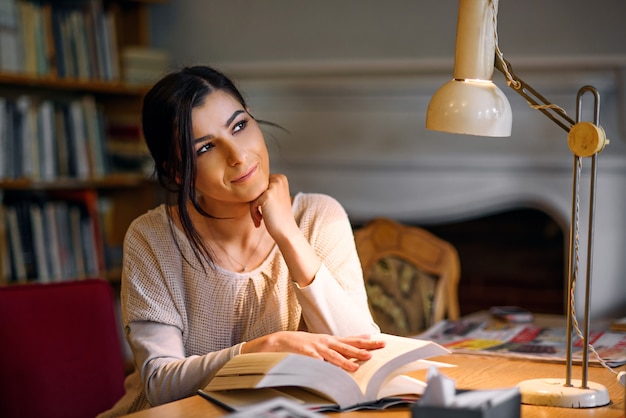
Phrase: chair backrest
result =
(411, 276)
(60, 350)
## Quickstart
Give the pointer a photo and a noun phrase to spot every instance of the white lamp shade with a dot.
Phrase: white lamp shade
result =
(473, 107)
(470, 103)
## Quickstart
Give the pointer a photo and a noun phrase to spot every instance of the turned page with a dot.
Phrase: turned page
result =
(398, 352)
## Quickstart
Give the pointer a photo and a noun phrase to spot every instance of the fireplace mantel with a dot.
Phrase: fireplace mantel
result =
(356, 132)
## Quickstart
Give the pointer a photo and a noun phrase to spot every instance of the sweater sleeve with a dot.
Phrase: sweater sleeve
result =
(156, 317)
(167, 374)
(336, 301)
(328, 308)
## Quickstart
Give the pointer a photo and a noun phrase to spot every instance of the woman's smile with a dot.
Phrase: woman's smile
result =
(248, 174)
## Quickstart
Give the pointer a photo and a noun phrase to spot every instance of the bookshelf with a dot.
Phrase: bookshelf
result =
(74, 171)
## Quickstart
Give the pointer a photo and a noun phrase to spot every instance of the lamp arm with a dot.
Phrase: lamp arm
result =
(536, 100)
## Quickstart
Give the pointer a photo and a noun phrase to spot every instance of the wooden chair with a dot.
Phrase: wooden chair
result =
(60, 351)
(411, 276)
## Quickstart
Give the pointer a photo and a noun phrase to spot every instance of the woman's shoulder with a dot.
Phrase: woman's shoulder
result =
(153, 219)
(316, 205)
(307, 200)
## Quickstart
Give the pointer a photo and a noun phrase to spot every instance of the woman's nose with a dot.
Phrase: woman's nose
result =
(235, 154)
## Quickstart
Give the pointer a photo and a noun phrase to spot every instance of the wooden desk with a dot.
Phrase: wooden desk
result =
(474, 372)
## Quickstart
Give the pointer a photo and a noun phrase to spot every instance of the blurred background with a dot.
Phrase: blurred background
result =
(351, 80)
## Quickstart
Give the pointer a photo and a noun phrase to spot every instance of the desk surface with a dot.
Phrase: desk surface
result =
(474, 372)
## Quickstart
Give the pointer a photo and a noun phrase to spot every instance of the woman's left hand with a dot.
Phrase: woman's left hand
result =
(340, 351)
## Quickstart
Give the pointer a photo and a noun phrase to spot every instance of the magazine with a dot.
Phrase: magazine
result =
(525, 341)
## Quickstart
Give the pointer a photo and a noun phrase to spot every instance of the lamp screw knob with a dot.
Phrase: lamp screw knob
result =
(585, 139)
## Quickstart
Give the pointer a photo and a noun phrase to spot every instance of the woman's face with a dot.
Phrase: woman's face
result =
(232, 158)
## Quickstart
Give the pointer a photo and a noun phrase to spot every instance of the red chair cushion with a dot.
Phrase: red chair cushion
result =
(60, 352)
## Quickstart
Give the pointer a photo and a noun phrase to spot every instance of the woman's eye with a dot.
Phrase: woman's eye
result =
(240, 125)
(204, 148)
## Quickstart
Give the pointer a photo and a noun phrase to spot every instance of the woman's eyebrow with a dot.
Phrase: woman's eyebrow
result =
(232, 117)
(226, 125)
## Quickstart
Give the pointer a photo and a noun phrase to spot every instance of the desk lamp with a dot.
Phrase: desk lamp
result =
(472, 104)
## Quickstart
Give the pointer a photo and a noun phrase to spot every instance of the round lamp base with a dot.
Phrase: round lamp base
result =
(553, 392)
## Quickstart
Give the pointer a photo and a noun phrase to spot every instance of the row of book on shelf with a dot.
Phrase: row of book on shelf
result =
(68, 38)
(47, 139)
(52, 239)
(73, 39)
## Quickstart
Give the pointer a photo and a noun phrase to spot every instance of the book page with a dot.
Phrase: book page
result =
(398, 352)
(401, 385)
(316, 375)
(252, 363)
(242, 399)
(244, 381)
(265, 370)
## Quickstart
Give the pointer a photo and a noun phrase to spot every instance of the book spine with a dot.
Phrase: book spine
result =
(12, 157)
(103, 41)
(25, 227)
(62, 141)
(5, 261)
(82, 160)
(61, 212)
(89, 29)
(60, 43)
(77, 244)
(4, 141)
(111, 24)
(17, 263)
(40, 45)
(94, 136)
(49, 55)
(24, 137)
(39, 243)
(10, 37)
(47, 147)
(53, 240)
(28, 44)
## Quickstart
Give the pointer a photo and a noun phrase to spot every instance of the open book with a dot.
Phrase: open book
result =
(247, 379)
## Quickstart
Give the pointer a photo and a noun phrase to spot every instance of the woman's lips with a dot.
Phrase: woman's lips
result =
(246, 175)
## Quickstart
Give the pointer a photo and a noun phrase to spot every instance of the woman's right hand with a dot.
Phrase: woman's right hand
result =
(340, 351)
(273, 206)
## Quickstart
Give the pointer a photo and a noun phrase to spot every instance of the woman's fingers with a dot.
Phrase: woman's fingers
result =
(256, 213)
(339, 360)
(363, 342)
(343, 352)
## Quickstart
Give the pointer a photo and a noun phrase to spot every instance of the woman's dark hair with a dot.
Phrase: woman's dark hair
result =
(167, 128)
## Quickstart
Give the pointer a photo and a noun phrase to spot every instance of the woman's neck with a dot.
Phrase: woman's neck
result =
(235, 241)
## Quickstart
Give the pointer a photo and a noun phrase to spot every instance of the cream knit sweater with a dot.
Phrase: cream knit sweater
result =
(183, 324)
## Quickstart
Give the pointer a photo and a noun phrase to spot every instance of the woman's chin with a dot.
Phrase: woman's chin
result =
(257, 191)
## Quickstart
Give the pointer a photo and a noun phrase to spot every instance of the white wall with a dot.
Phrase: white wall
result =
(248, 30)
(351, 80)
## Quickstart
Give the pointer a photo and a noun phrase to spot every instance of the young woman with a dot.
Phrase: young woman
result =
(232, 263)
